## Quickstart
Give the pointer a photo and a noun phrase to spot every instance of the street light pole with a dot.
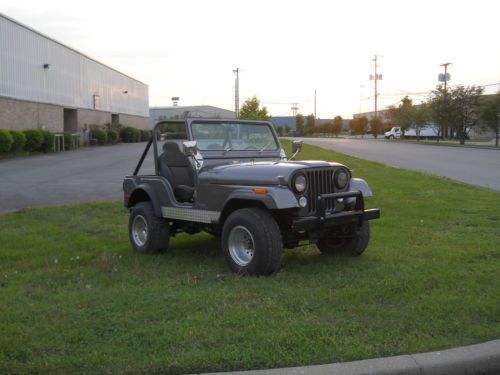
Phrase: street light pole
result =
(237, 93)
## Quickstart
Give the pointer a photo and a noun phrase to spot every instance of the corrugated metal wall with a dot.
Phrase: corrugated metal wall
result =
(71, 80)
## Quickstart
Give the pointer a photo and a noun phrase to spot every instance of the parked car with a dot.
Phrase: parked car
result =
(231, 178)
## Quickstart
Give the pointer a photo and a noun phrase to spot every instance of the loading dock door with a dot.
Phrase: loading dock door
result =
(70, 120)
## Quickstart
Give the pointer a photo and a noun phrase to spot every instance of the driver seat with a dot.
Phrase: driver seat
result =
(178, 170)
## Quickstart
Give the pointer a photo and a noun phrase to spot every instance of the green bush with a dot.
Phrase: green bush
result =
(48, 141)
(6, 141)
(68, 141)
(130, 134)
(34, 139)
(100, 135)
(144, 135)
(19, 140)
(112, 136)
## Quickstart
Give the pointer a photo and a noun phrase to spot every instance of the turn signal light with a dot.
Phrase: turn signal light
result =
(260, 191)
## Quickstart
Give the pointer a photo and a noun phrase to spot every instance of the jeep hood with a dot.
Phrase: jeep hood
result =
(258, 173)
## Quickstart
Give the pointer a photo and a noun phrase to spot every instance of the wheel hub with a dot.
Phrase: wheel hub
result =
(241, 245)
(140, 230)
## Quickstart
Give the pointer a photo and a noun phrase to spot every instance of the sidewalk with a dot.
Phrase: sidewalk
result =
(474, 359)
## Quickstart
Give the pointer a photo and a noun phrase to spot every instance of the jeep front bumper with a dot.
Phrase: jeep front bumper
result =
(323, 218)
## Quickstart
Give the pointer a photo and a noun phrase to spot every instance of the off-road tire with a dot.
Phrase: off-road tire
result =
(350, 246)
(155, 238)
(266, 238)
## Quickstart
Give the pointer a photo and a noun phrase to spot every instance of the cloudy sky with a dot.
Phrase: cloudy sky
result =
(286, 50)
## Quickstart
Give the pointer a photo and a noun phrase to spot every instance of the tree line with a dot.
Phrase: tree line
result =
(453, 111)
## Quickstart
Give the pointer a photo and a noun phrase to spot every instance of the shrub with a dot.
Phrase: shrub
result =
(34, 139)
(112, 136)
(19, 140)
(129, 134)
(68, 141)
(6, 141)
(48, 141)
(100, 135)
(144, 135)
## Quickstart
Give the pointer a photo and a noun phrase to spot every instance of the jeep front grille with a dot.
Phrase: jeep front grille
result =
(319, 181)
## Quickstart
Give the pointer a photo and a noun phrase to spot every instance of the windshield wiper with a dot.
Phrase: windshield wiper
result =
(263, 148)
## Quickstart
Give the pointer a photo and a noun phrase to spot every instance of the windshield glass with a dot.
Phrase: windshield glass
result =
(233, 136)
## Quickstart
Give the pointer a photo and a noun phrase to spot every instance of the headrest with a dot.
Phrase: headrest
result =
(173, 155)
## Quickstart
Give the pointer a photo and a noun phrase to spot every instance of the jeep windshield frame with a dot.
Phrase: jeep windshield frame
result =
(234, 138)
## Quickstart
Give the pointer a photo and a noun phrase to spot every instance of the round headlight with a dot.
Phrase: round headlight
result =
(341, 179)
(300, 183)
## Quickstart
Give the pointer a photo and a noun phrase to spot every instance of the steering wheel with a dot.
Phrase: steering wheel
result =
(251, 148)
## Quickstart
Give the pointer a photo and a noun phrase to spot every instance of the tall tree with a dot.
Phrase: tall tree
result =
(310, 123)
(251, 110)
(359, 125)
(465, 109)
(421, 117)
(376, 126)
(404, 114)
(439, 109)
(490, 114)
(336, 126)
(299, 123)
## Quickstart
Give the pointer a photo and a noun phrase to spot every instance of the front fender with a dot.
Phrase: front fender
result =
(276, 197)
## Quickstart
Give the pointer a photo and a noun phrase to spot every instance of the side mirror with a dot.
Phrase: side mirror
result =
(296, 146)
(189, 148)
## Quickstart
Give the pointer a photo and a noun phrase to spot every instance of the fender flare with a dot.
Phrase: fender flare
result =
(361, 185)
(145, 189)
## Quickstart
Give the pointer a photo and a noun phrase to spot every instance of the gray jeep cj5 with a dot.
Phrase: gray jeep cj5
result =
(231, 178)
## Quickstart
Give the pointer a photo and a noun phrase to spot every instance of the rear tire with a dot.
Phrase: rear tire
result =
(350, 246)
(148, 233)
(251, 242)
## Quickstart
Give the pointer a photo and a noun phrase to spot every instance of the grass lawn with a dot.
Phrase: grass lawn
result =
(75, 299)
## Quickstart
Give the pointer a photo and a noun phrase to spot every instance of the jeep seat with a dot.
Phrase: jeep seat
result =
(178, 170)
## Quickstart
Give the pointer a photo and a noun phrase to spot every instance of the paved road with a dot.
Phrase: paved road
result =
(97, 173)
(89, 174)
(470, 165)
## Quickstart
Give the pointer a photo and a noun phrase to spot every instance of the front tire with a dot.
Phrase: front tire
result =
(148, 233)
(351, 246)
(251, 242)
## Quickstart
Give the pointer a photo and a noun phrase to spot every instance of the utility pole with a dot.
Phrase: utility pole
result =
(375, 77)
(295, 108)
(315, 104)
(445, 78)
(237, 93)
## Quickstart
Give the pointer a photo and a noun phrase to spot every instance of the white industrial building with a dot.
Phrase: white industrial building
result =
(181, 112)
(48, 85)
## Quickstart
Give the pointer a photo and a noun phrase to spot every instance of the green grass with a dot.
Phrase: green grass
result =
(75, 299)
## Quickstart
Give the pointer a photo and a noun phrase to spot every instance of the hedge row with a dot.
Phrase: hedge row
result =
(36, 140)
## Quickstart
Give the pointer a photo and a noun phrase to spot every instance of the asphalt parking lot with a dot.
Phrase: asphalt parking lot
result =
(88, 174)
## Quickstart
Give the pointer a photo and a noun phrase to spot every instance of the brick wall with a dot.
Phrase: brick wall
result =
(21, 115)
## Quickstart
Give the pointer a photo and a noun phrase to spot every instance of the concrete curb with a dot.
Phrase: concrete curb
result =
(474, 359)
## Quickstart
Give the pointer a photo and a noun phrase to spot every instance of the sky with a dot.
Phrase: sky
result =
(286, 50)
